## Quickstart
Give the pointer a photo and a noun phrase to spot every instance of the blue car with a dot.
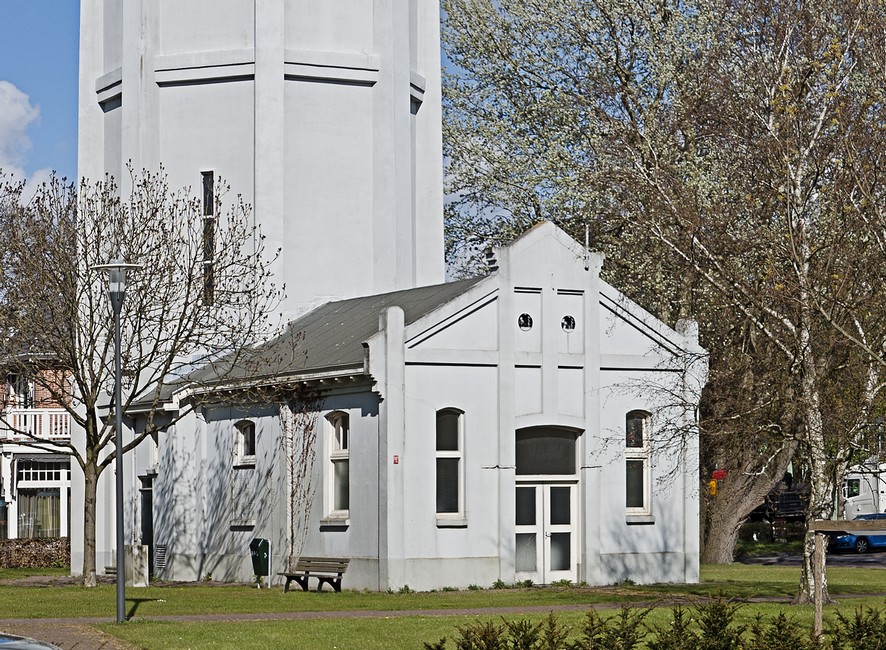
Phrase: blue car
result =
(858, 543)
(14, 642)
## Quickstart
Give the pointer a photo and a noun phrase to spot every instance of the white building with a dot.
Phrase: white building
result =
(533, 424)
(518, 426)
(324, 115)
(35, 473)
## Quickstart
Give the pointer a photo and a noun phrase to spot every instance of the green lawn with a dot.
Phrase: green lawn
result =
(736, 581)
(378, 634)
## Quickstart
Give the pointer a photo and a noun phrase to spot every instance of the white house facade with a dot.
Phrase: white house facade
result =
(35, 474)
(533, 424)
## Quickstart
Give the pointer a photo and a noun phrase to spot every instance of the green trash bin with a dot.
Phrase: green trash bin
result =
(260, 550)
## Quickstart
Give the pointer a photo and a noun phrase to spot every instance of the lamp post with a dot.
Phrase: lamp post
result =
(116, 293)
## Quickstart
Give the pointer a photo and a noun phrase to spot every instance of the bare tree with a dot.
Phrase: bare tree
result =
(738, 144)
(203, 293)
(298, 421)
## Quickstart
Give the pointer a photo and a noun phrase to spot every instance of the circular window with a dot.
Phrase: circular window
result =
(568, 323)
(524, 322)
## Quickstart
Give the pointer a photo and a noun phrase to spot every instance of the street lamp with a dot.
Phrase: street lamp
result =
(116, 292)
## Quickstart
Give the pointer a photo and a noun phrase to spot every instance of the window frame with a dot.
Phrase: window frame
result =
(642, 453)
(245, 429)
(337, 452)
(456, 518)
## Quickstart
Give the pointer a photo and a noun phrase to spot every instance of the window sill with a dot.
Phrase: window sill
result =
(246, 462)
(451, 521)
(335, 523)
(639, 520)
(242, 524)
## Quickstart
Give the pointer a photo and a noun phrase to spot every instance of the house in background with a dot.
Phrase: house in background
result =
(35, 481)
(533, 424)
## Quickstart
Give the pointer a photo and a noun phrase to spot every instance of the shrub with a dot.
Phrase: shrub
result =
(522, 635)
(712, 628)
(757, 531)
(35, 553)
(624, 631)
(481, 636)
(716, 620)
(679, 636)
(780, 633)
(864, 630)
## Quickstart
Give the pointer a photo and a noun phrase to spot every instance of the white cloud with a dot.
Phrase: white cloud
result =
(16, 115)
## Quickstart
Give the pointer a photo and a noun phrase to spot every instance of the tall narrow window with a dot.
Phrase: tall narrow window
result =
(208, 237)
(449, 465)
(338, 483)
(638, 484)
(245, 442)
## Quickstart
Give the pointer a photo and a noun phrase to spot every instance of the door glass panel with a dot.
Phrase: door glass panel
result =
(526, 554)
(526, 506)
(560, 558)
(560, 505)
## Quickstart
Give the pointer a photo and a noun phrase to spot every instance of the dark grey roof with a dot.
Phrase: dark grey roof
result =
(327, 338)
(332, 335)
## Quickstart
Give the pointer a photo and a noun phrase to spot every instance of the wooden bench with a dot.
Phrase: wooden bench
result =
(325, 569)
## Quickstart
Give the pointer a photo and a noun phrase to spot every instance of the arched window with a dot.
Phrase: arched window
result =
(245, 442)
(638, 479)
(450, 479)
(338, 477)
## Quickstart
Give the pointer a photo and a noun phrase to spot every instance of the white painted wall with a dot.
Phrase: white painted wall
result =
(302, 106)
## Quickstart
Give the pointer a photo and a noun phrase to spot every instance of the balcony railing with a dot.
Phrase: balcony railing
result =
(46, 424)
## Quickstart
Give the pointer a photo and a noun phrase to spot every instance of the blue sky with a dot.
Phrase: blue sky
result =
(38, 87)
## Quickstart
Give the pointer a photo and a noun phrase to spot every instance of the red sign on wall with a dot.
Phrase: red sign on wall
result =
(719, 474)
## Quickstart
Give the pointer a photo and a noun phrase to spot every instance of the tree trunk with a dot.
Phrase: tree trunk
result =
(721, 535)
(90, 483)
(820, 483)
(745, 488)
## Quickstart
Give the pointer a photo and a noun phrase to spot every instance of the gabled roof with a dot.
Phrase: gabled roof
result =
(332, 335)
(329, 338)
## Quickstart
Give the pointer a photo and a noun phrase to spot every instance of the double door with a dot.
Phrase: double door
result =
(546, 530)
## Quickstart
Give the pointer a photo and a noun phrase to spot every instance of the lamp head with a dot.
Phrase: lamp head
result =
(117, 280)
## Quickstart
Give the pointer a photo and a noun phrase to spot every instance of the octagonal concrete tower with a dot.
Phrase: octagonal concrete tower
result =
(324, 114)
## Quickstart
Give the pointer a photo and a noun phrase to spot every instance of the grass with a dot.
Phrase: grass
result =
(75, 601)
(385, 633)
(743, 548)
(11, 574)
(410, 631)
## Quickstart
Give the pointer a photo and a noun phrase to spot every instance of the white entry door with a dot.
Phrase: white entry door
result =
(546, 532)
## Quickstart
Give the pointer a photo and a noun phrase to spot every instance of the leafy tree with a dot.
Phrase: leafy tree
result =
(203, 292)
(726, 156)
